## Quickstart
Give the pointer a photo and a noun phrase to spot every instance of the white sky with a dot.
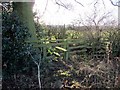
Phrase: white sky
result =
(59, 16)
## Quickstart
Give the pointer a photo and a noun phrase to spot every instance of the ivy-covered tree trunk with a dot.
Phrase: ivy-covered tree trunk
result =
(24, 11)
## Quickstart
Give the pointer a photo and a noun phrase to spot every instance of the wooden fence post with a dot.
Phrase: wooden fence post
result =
(44, 52)
(67, 48)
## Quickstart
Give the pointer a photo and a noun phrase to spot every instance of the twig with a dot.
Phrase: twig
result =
(115, 4)
(79, 3)
(44, 9)
(61, 4)
(103, 3)
(32, 58)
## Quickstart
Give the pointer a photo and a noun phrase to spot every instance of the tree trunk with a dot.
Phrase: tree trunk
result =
(24, 11)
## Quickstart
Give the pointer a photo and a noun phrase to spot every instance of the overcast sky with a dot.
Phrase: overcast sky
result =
(55, 15)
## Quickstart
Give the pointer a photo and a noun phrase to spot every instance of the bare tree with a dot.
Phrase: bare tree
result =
(96, 18)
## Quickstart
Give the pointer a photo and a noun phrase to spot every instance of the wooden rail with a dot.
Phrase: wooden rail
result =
(72, 46)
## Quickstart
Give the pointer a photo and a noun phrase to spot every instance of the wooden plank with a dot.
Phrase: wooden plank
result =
(41, 45)
(75, 42)
(44, 53)
(77, 47)
(49, 57)
(49, 44)
(57, 40)
(68, 40)
(71, 40)
(80, 51)
(67, 53)
(36, 41)
(66, 44)
(61, 48)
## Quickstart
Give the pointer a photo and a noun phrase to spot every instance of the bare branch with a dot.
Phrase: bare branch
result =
(79, 3)
(45, 9)
(58, 8)
(32, 58)
(103, 3)
(103, 17)
(61, 4)
(93, 20)
(115, 4)
(95, 3)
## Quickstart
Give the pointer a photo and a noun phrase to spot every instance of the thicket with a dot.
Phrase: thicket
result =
(76, 72)
(18, 65)
(16, 62)
(99, 68)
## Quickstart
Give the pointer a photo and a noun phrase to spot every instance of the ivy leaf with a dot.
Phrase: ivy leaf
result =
(60, 48)
(57, 54)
